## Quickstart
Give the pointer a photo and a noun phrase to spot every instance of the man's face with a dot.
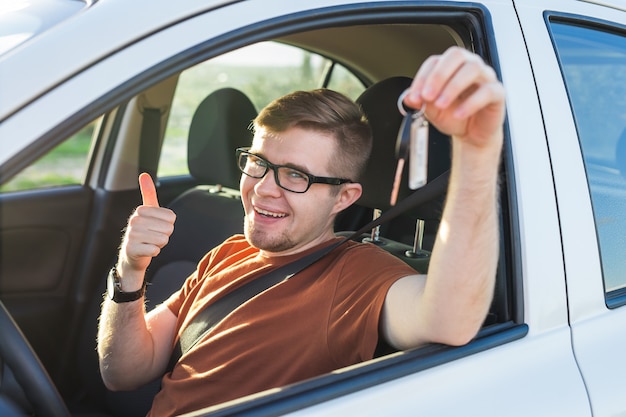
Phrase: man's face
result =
(280, 222)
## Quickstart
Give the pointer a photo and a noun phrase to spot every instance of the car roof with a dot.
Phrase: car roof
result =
(615, 4)
(99, 39)
(21, 20)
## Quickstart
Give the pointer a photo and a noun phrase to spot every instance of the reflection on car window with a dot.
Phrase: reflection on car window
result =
(66, 164)
(594, 66)
(262, 71)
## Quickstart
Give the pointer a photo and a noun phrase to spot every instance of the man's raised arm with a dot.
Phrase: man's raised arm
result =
(462, 97)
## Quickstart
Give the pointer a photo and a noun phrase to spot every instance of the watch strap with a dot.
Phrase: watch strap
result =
(120, 296)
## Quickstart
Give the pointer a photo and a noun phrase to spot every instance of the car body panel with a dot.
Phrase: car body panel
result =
(498, 386)
(100, 38)
(20, 20)
(597, 331)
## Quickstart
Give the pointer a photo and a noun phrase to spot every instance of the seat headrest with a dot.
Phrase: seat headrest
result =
(219, 126)
(379, 103)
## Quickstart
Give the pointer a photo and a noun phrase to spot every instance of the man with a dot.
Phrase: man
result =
(330, 314)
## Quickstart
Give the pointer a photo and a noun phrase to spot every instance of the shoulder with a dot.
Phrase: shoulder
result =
(367, 264)
(370, 254)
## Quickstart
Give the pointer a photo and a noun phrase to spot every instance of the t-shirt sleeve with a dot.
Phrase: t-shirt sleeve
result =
(365, 278)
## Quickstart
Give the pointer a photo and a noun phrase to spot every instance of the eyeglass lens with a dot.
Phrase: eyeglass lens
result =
(288, 178)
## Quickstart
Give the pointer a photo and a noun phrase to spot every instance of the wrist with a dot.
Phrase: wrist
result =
(121, 292)
(480, 163)
(131, 279)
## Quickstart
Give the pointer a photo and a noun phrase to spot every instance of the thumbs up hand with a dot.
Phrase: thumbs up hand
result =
(148, 231)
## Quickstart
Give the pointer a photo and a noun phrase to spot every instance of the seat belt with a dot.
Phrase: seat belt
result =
(149, 141)
(215, 312)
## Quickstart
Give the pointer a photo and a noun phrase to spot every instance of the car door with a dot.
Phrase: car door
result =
(44, 230)
(581, 80)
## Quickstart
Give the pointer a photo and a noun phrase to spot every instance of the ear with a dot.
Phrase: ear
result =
(350, 192)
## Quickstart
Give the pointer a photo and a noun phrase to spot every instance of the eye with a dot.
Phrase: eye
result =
(255, 161)
(295, 175)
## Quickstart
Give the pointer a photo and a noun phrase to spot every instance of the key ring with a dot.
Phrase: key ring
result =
(400, 104)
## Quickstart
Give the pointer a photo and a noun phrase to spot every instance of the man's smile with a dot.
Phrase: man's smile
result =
(268, 213)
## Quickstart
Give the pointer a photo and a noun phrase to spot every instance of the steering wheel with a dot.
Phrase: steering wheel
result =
(17, 354)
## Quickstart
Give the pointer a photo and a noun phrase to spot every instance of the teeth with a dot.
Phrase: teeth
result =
(269, 213)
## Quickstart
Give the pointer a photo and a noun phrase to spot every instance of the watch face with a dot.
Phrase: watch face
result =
(115, 293)
(111, 286)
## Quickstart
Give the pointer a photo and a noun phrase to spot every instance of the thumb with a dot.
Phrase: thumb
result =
(148, 190)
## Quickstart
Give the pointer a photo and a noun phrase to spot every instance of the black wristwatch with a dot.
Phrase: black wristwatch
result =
(114, 289)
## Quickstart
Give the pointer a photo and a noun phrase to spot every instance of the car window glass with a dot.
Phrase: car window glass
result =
(593, 62)
(262, 71)
(66, 164)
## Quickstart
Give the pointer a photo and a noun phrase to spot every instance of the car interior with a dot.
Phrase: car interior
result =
(383, 57)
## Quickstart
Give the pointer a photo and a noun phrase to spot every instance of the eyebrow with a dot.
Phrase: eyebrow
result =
(288, 165)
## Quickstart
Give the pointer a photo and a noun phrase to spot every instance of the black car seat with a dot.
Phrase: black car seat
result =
(379, 103)
(206, 215)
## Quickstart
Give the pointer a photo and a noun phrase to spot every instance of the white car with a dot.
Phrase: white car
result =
(92, 93)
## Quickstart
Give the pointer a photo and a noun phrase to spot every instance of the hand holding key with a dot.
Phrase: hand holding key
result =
(148, 231)
(461, 96)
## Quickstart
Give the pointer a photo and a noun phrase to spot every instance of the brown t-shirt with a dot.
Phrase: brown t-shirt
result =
(324, 318)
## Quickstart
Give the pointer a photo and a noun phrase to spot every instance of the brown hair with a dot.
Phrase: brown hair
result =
(324, 111)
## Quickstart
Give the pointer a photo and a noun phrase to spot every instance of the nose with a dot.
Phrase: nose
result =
(267, 185)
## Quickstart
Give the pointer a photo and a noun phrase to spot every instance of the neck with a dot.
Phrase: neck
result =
(326, 237)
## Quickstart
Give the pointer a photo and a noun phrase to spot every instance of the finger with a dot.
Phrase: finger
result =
(414, 99)
(444, 71)
(439, 74)
(148, 190)
(488, 94)
(461, 86)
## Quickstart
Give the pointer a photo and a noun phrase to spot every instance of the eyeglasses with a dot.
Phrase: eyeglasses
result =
(287, 178)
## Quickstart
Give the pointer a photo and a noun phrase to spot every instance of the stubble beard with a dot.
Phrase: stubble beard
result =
(263, 240)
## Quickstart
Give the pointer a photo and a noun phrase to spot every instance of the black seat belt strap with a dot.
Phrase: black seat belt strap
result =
(149, 141)
(215, 312)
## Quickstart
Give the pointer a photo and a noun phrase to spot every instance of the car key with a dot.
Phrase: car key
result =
(418, 158)
(412, 143)
(402, 152)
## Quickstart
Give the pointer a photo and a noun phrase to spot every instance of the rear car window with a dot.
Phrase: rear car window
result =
(593, 61)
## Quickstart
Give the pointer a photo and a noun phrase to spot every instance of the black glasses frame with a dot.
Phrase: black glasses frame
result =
(312, 179)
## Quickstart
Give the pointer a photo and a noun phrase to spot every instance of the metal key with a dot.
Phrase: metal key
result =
(418, 155)
(412, 143)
